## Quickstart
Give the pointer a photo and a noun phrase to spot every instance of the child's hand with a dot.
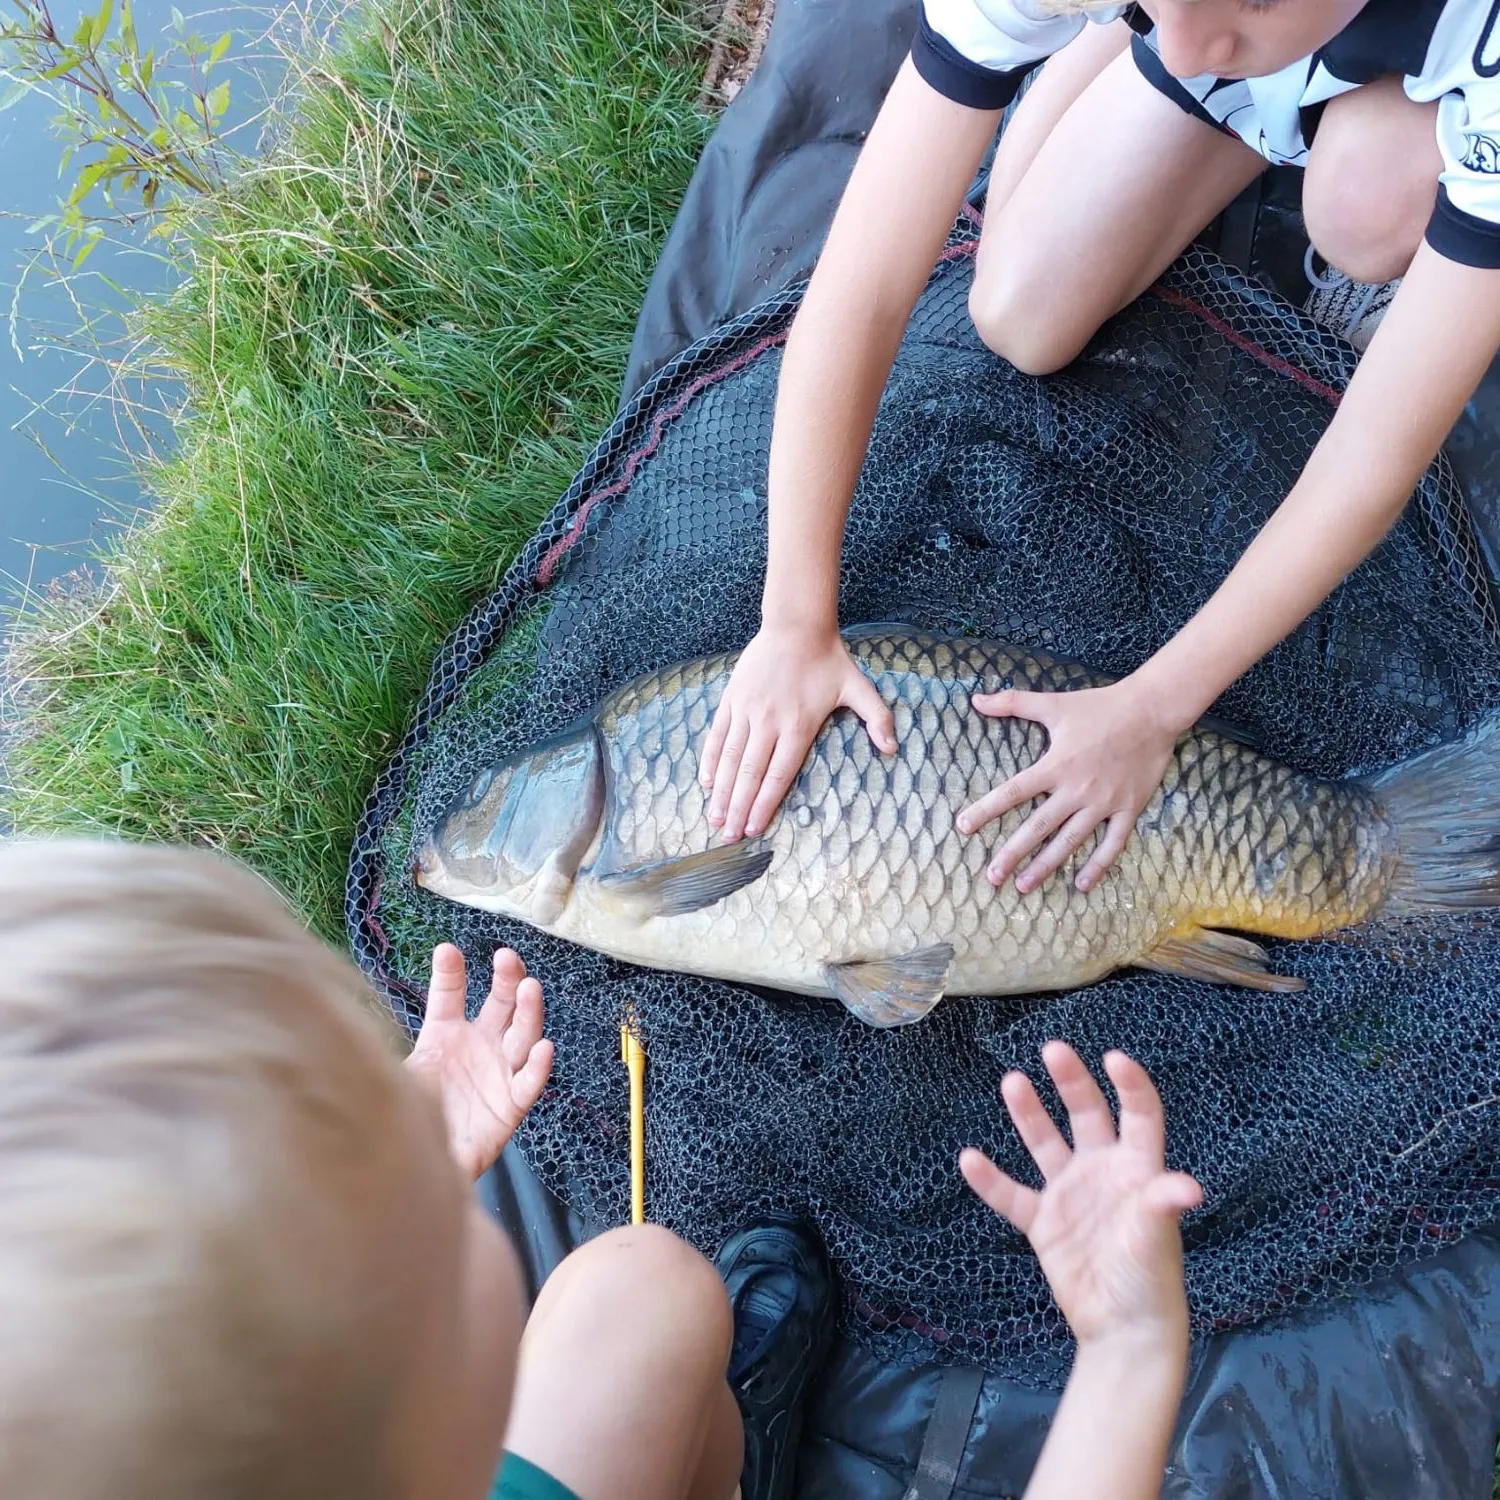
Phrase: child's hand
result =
(1105, 1225)
(1108, 751)
(488, 1072)
(784, 687)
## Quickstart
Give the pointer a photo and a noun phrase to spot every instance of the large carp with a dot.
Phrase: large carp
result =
(864, 888)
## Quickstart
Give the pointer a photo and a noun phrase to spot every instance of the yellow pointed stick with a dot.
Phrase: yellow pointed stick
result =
(633, 1055)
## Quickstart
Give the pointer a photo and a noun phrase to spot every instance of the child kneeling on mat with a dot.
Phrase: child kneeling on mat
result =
(239, 1255)
(1136, 133)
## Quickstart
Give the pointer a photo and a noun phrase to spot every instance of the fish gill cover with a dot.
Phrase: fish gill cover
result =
(1338, 1132)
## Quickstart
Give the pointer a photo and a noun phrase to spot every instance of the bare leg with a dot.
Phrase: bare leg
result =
(1115, 192)
(620, 1389)
(1051, 95)
(1372, 180)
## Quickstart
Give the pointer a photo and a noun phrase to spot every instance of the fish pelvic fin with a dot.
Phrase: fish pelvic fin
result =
(887, 992)
(673, 887)
(1444, 811)
(1218, 958)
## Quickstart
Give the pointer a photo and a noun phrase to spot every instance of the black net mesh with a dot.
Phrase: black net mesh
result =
(1337, 1132)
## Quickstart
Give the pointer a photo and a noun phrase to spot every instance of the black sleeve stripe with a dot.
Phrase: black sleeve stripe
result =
(957, 77)
(1463, 237)
(1155, 73)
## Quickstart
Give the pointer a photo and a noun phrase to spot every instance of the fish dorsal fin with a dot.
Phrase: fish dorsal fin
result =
(1217, 958)
(888, 992)
(881, 627)
(1227, 729)
(672, 887)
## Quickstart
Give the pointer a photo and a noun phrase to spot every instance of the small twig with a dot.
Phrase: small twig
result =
(1444, 1120)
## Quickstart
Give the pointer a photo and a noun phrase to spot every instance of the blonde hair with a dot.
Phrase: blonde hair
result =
(199, 1138)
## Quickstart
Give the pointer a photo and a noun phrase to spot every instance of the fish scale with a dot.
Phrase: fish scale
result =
(863, 885)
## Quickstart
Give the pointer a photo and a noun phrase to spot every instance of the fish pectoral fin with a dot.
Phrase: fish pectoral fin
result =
(672, 887)
(888, 992)
(1218, 958)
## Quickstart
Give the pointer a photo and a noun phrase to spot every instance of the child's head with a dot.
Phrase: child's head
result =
(1236, 38)
(235, 1258)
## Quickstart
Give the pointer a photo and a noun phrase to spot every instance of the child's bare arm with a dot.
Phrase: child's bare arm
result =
(1104, 1228)
(1109, 747)
(906, 187)
(1428, 356)
(1113, 1426)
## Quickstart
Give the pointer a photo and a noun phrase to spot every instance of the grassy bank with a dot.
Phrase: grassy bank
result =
(398, 335)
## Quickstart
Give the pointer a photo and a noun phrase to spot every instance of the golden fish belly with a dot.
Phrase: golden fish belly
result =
(868, 863)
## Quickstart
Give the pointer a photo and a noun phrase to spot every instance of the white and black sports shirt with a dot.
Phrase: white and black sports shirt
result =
(1446, 51)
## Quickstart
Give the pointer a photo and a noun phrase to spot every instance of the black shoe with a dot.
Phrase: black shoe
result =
(781, 1290)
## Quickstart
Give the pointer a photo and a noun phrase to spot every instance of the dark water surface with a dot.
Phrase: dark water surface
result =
(60, 496)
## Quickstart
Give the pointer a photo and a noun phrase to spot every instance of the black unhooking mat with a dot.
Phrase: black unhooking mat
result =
(1346, 1137)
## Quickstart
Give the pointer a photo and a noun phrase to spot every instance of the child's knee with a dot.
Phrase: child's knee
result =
(1013, 317)
(1367, 237)
(1371, 181)
(638, 1279)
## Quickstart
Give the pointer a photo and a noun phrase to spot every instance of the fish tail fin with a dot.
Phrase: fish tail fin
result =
(1444, 808)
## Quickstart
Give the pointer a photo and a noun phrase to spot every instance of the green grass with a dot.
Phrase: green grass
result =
(398, 335)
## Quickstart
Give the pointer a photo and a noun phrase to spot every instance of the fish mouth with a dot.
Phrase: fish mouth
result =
(424, 864)
(431, 872)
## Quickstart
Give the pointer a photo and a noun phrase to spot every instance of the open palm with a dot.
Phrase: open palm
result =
(487, 1072)
(1105, 1225)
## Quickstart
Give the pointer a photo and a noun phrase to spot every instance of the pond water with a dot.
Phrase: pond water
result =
(64, 481)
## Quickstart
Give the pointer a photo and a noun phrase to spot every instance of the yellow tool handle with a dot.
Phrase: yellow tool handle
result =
(634, 1057)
